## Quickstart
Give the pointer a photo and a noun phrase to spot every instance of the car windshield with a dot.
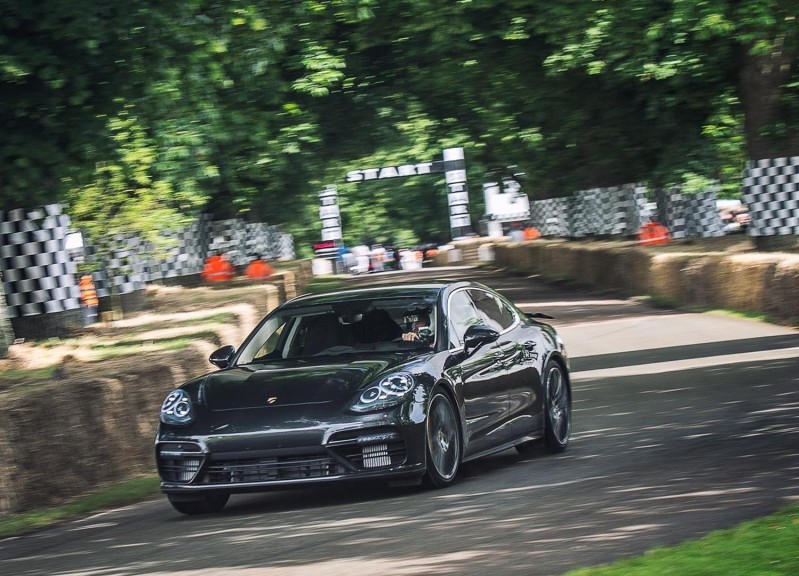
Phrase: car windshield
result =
(352, 326)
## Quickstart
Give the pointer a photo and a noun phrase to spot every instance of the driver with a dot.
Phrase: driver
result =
(417, 324)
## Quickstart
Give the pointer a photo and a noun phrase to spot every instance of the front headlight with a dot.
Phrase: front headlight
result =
(390, 391)
(177, 408)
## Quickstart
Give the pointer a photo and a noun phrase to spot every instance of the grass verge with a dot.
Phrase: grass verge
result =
(127, 492)
(768, 546)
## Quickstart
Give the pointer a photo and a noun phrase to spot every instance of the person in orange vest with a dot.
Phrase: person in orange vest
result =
(258, 269)
(217, 269)
(88, 296)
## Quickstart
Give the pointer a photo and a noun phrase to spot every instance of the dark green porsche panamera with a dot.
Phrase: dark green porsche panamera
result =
(397, 383)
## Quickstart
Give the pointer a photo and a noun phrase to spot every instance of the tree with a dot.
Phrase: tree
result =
(696, 52)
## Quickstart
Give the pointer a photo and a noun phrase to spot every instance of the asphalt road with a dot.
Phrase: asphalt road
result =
(683, 424)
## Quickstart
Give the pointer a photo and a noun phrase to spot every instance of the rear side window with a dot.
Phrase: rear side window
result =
(494, 312)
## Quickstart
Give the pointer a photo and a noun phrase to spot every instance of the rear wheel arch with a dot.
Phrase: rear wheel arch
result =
(557, 418)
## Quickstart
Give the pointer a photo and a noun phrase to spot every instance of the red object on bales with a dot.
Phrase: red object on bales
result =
(531, 233)
(653, 233)
(258, 270)
(218, 269)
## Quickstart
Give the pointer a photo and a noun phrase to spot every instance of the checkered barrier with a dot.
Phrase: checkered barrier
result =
(38, 277)
(136, 263)
(126, 270)
(184, 256)
(240, 240)
(612, 211)
(628, 211)
(693, 215)
(585, 213)
(616, 210)
(551, 216)
(675, 214)
(771, 191)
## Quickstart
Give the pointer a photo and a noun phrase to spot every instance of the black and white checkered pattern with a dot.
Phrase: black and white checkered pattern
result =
(617, 210)
(135, 262)
(622, 210)
(551, 216)
(693, 215)
(771, 191)
(628, 209)
(240, 240)
(585, 213)
(184, 254)
(38, 277)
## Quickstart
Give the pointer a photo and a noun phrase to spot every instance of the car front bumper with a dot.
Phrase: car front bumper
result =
(375, 448)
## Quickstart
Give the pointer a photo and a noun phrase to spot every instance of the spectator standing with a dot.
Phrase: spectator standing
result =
(88, 296)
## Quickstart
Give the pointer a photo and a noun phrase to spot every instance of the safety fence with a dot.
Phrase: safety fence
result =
(622, 210)
(42, 296)
(771, 191)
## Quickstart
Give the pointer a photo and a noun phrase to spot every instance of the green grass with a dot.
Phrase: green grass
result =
(223, 318)
(746, 315)
(132, 347)
(15, 376)
(768, 546)
(133, 490)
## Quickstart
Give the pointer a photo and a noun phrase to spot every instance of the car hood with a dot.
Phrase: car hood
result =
(292, 383)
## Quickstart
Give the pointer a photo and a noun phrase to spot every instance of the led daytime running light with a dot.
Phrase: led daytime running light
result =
(388, 391)
(177, 408)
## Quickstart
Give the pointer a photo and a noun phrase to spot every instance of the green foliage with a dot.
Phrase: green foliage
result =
(140, 116)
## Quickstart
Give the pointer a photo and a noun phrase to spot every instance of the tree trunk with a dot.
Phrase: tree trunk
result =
(761, 88)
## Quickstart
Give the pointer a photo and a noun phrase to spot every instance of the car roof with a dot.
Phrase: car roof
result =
(404, 290)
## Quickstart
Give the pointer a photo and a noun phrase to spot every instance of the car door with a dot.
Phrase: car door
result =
(517, 351)
(485, 393)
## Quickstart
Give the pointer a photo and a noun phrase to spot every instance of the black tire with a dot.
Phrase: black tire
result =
(208, 504)
(558, 408)
(443, 439)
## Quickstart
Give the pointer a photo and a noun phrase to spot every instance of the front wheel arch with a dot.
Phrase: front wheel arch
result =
(443, 438)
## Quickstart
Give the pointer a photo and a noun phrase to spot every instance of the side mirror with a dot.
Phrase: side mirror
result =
(221, 358)
(476, 336)
(534, 315)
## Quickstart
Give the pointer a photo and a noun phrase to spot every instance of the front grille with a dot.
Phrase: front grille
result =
(271, 469)
(179, 462)
(370, 449)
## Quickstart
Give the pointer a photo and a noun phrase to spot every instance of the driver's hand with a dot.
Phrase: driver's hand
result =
(410, 336)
